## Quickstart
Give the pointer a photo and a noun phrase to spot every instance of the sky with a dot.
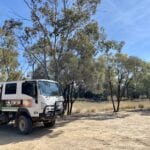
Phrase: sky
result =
(123, 20)
(129, 21)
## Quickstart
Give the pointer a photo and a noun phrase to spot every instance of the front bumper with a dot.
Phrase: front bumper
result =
(52, 111)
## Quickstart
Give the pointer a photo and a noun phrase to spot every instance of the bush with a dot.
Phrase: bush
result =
(95, 97)
(93, 110)
(141, 106)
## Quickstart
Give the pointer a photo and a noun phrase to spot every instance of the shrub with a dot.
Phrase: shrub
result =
(141, 106)
(93, 110)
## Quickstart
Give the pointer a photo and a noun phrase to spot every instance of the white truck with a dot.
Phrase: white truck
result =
(28, 102)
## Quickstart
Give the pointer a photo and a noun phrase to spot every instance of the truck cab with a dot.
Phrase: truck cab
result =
(27, 102)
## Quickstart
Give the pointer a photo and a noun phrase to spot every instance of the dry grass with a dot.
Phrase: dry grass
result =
(77, 110)
(93, 107)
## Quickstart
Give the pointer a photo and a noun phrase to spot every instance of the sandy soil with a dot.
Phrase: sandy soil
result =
(126, 130)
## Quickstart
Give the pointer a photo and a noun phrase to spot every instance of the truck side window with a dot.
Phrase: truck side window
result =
(11, 88)
(28, 89)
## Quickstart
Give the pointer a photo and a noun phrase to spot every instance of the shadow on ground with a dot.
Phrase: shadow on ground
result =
(96, 117)
(142, 112)
(9, 134)
(145, 113)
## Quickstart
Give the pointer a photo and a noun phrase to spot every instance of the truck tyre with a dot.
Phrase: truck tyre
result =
(24, 124)
(49, 124)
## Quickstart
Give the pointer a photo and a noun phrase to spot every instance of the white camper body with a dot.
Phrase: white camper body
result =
(30, 101)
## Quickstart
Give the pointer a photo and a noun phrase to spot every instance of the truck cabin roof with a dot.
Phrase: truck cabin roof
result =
(1, 83)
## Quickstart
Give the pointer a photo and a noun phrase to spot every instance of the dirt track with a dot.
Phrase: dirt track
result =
(126, 130)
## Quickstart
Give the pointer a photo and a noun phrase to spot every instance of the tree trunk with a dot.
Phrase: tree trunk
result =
(68, 108)
(118, 105)
(45, 65)
(118, 97)
(33, 71)
(71, 106)
(111, 94)
(71, 98)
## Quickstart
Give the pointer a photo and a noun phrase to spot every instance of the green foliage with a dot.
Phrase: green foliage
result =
(66, 38)
(8, 52)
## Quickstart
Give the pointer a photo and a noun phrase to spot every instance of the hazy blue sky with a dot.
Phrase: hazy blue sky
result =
(126, 20)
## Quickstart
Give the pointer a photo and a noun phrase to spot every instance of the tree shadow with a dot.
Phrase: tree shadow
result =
(96, 117)
(142, 112)
(145, 112)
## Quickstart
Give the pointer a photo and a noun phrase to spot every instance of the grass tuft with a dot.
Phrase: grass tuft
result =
(141, 106)
(93, 110)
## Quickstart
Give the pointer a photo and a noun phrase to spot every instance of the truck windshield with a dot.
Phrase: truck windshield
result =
(49, 88)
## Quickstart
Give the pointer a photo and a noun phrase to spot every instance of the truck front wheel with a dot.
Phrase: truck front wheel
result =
(49, 124)
(24, 124)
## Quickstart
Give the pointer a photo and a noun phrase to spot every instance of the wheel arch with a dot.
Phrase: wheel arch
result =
(23, 111)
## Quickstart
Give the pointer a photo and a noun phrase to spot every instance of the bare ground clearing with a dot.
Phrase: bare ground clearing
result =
(125, 130)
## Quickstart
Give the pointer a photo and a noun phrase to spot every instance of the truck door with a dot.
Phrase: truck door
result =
(30, 88)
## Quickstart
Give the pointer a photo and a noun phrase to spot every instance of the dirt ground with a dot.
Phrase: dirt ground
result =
(125, 130)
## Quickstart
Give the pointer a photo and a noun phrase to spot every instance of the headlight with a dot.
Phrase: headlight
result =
(27, 103)
(49, 109)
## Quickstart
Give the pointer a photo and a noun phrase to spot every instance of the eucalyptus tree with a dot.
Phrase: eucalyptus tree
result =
(56, 22)
(111, 49)
(8, 50)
